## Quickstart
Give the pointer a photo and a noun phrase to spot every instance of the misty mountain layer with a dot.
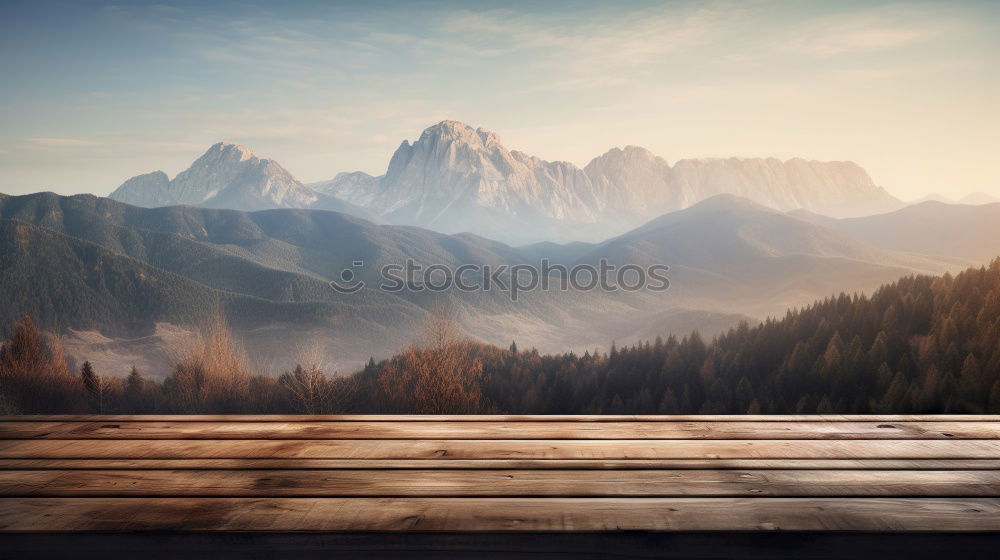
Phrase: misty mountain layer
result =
(97, 265)
(456, 178)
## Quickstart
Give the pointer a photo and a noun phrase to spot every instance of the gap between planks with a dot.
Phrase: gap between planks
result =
(721, 430)
(503, 417)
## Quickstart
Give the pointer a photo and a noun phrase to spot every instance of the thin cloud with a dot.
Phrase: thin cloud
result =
(866, 40)
(62, 143)
(631, 38)
(879, 28)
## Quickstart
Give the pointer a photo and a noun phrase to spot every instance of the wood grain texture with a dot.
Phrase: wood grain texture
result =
(499, 514)
(499, 473)
(502, 449)
(522, 483)
(523, 464)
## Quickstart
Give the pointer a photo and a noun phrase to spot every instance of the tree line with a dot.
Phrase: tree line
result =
(923, 344)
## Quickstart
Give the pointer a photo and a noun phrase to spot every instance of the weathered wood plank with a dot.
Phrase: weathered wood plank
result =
(524, 483)
(500, 430)
(499, 473)
(501, 418)
(501, 449)
(498, 514)
(522, 464)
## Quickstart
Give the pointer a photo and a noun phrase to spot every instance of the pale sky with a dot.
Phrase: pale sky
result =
(93, 93)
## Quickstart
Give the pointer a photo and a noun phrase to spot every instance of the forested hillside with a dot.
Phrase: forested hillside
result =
(68, 282)
(920, 345)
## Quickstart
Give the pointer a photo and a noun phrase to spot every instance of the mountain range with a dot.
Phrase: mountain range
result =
(455, 178)
(228, 176)
(962, 231)
(125, 280)
(975, 198)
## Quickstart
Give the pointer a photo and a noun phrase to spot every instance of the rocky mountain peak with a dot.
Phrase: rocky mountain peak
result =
(629, 155)
(448, 128)
(148, 189)
(448, 131)
(632, 152)
(456, 178)
(229, 150)
(227, 175)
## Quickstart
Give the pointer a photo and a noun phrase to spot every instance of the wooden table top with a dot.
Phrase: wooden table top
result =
(499, 473)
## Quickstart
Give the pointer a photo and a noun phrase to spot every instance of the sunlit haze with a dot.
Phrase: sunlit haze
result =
(96, 92)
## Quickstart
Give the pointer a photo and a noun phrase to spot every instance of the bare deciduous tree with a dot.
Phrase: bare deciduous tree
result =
(439, 377)
(34, 377)
(213, 375)
(307, 390)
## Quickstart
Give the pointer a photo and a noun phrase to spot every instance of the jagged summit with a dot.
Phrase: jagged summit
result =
(227, 175)
(231, 151)
(456, 178)
(630, 151)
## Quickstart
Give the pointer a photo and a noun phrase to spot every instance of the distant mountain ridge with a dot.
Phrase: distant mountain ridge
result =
(960, 231)
(730, 251)
(227, 176)
(457, 178)
(973, 199)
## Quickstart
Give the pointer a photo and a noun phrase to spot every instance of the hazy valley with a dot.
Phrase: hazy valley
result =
(125, 278)
(140, 276)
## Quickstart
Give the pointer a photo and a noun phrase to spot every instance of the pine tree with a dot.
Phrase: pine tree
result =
(824, 406)
(744, 394)
(93, 385)
(668, 404)
(136, 397)
(971, 385)
(617, 405)
(994, 403)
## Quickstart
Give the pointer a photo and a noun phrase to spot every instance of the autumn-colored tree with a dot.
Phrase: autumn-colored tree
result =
(34, 377)
(919, 345)
(438, 377)
(308, 391)
(212, 375)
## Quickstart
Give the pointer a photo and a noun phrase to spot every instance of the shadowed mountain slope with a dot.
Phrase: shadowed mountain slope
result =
(729, 259)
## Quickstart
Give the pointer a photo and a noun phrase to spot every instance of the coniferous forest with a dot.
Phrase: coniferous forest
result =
(923, 344)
